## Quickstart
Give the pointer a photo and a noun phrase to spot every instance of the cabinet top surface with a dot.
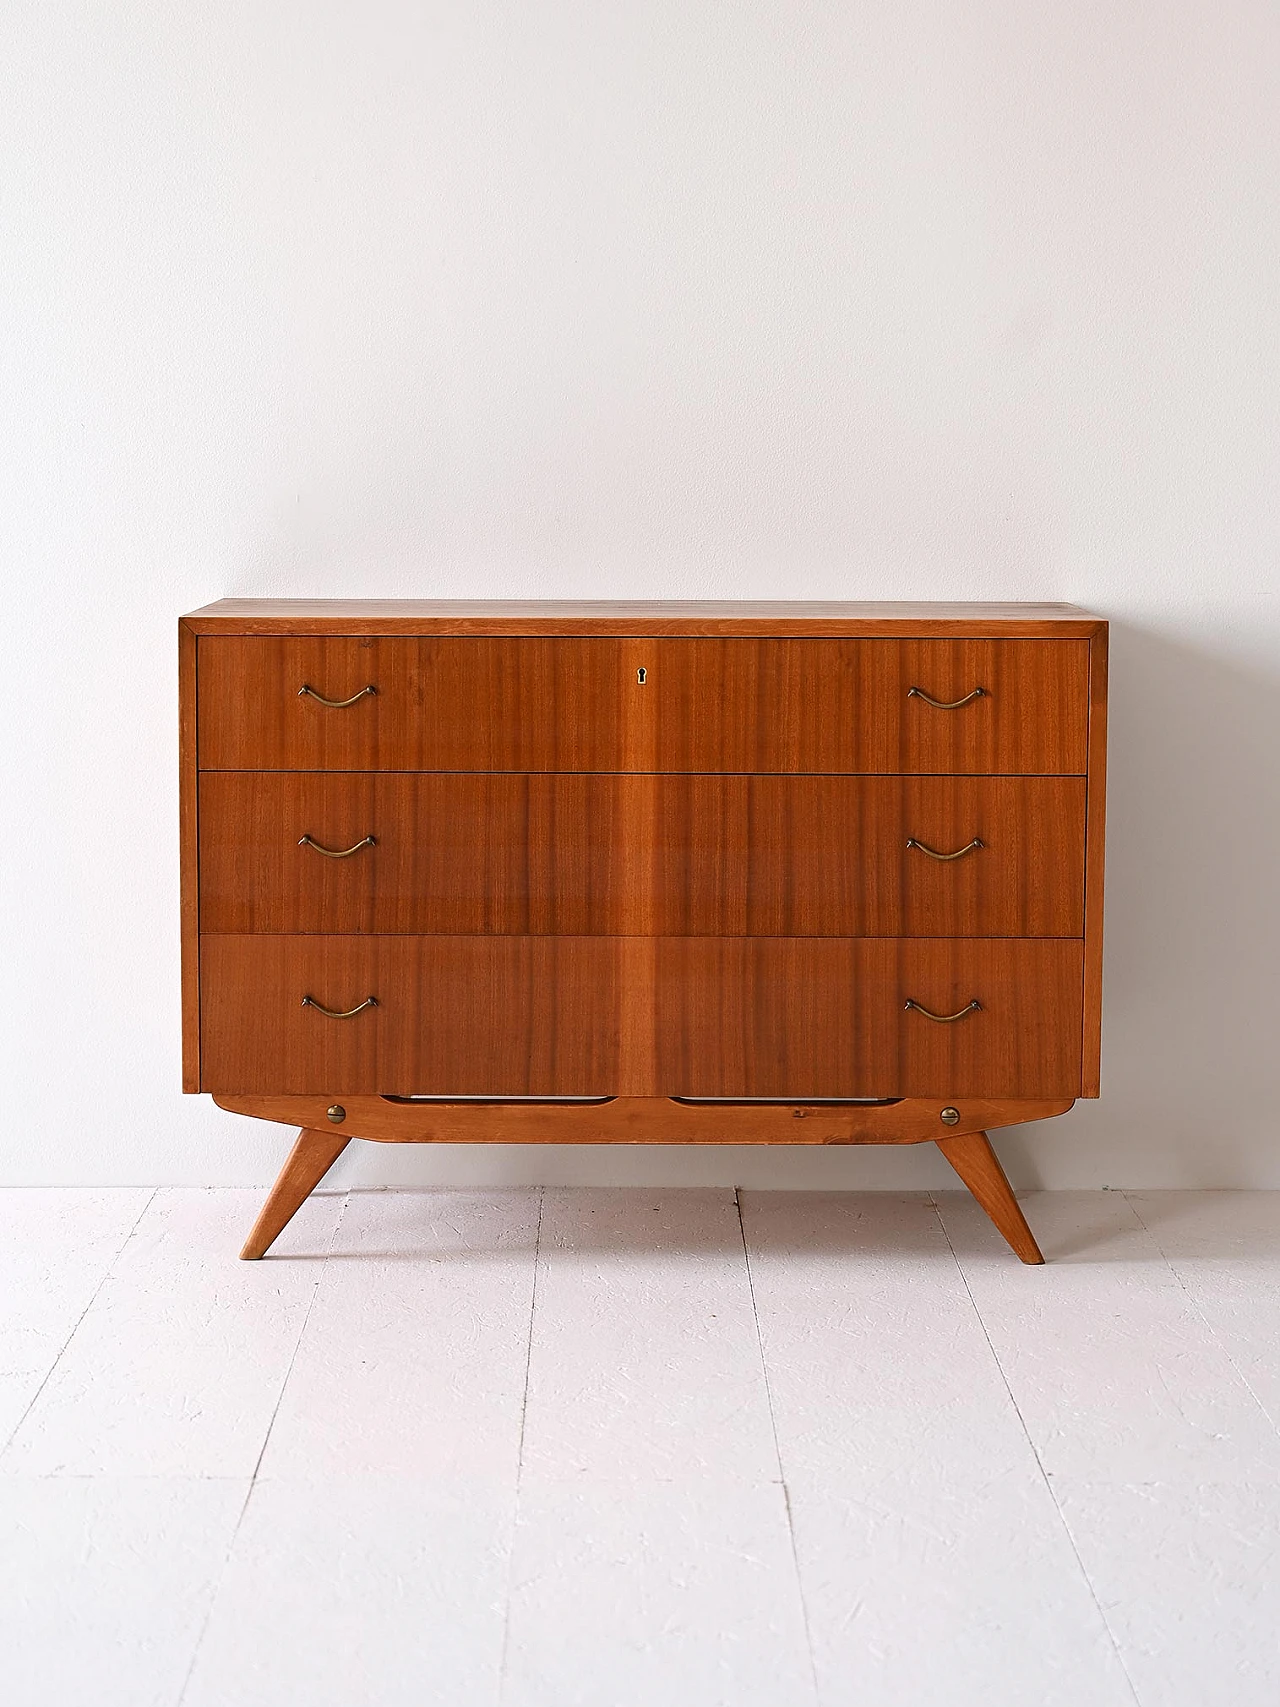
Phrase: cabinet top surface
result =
(637, 617)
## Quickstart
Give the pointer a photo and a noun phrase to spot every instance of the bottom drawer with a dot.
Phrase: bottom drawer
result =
(642, 1016)
(510, 1016)
(817, 1017)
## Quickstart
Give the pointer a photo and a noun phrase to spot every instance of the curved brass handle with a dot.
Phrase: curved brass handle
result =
(332, 1013)
(933, 853)
(334, 704)
(945, 1019)
(337, 853)
(945, 704)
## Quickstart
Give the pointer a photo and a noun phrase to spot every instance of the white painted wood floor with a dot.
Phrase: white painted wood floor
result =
(615, 1447)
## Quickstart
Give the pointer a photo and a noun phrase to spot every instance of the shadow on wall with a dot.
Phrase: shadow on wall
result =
(1191, 1030)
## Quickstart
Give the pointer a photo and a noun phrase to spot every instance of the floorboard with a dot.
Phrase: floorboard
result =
(609, 1446)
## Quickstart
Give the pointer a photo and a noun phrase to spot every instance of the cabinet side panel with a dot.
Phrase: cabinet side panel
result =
(1095, 832)
(188, 806)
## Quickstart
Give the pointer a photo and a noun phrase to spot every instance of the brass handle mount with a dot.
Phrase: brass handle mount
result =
(924, 848)
(943, 1019)
(334, 704)
(334, 1013)
(946, 704)
(337, 853)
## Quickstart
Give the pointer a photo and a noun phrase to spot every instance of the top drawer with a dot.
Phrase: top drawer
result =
(978, 707)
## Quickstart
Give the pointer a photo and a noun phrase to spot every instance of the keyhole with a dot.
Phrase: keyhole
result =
(641, 673)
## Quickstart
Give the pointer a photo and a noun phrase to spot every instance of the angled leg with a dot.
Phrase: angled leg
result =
(309, 1161)
(975, 1161)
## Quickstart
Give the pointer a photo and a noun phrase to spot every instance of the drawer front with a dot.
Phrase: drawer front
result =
(766, 1017)
(970, 707)
(583, 855)
(688, 1016)
(437, 704)
(845, 856)
(503, 1016)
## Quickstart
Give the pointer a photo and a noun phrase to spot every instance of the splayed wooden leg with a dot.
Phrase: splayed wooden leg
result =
(975, 1161)
(309, 1161)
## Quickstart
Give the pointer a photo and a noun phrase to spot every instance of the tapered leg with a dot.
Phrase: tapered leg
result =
(309, 1161)
(975, 1161)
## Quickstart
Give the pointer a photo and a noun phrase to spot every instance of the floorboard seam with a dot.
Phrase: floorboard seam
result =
(1044, 1475)
(253, 1479)
(1194, 1304)
(75, 1327)
(524, 1413)
(777, 1449)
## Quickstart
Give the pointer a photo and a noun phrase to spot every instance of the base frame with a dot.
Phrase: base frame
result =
(328, 1125)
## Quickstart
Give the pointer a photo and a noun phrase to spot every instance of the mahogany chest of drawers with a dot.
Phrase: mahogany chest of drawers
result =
(706, 873)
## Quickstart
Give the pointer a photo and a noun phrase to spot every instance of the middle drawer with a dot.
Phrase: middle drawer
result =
(656, 855)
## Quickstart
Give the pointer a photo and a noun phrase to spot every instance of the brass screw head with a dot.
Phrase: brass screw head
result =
(948, 1117)
(337, 1114)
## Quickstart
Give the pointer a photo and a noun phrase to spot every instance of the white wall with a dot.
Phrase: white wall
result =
(639, 298)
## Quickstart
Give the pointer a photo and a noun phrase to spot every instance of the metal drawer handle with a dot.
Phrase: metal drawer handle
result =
(332, 1013)
(334, 704)
(933, 853)
(945, 704)
(945, 1019)
(338, 853)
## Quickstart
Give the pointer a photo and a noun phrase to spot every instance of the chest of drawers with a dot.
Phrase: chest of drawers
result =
(660, 873)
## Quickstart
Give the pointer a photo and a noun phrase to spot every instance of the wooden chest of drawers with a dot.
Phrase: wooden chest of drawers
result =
(642, 873)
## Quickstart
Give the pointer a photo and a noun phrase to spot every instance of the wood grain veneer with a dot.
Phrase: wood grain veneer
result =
(532, 1016)
(643, 851)
(640, 616)
(189, 854)
(791, 1017)
(1095, 843)
(644, 1120)
(740, 705)
(581, 855)
(637, 1016)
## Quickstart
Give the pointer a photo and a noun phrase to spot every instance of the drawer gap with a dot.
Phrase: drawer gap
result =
(499, 1101)
(786, 1102)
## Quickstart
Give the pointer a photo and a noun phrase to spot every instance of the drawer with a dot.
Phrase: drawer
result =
(877, 706)
(523, 704)
(768, 1017)
(846, 856)
(642, 1016)
(504, 1016)
(584, 855)
(968, 707)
